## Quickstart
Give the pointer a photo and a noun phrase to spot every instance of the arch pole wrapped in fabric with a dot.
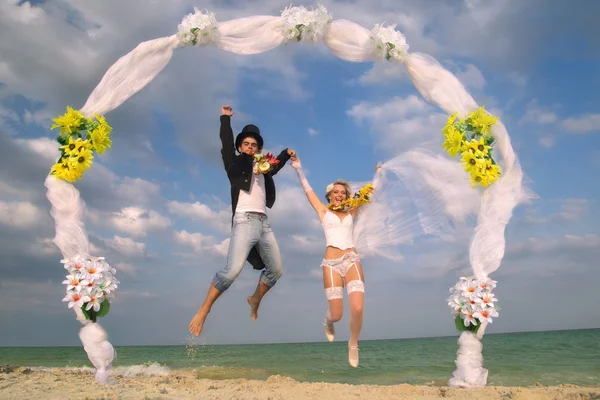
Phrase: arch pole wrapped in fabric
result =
(490, 186)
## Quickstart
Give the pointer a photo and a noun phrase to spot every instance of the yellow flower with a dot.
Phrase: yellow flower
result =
(454, 141)
(452, 118)
(81, 161)
(102, 121)
(476, 178)
(83, 145)
(100, 138)
(493, 171)
(477, 147)
(450, 130)
(481, 120)
(74, 147)
(471, 162)
(68, 123)
(71, 146)
(63, 170)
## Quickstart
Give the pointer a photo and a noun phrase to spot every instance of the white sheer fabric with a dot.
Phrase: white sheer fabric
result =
(252, 35)
(130, 74)
(68, 210)
(349, 41)
(469, 361)
(99, 350)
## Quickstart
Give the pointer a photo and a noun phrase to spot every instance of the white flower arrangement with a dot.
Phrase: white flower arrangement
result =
(389, 43)
(472, 303)
(197, 28)
(305, 25)
(90, 285)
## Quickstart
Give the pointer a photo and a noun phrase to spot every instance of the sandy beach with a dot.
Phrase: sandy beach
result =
(24, 383)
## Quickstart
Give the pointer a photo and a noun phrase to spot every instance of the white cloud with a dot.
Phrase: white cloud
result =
(126, 246)
(471, 77)
(137, 191)
(547, 142)
(583, 124)
(126, 268)
(538, 115)
(23, 13)
(220, 220)
(137, 221)
(200, 243)
(312, 132)
(308, 244)
(44, 147)
(484, 12)
(19, 214)
(44, 247)
(550, 247)
(400, 123)
(570, 210)
(383, 73)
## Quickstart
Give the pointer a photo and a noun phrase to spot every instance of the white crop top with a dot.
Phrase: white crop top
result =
(338, 233)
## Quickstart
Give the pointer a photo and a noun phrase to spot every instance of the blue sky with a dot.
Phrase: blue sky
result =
(159, 200)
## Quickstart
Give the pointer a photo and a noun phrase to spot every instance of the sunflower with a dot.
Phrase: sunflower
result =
(69, 123)
(82, 161)
(477, 147)
(454, 141)
(62, 170)
(481, 120)
(100, 138)
(471, 162)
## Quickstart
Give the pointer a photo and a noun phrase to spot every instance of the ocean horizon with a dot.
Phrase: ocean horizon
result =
(513, 359)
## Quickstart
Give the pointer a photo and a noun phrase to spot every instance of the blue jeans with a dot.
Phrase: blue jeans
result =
(247, 231)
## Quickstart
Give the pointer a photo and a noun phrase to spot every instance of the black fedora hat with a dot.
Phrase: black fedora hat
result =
(249, 131)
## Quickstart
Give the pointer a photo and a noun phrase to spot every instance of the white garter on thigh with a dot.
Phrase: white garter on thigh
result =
(335, 292)
(355, 286)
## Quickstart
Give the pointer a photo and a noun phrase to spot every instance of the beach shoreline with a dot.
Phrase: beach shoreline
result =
(60, 383)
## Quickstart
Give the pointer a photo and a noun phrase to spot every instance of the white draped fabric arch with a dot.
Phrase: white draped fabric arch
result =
(429, 175)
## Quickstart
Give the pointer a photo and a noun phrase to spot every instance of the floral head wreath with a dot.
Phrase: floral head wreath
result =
(329, 188)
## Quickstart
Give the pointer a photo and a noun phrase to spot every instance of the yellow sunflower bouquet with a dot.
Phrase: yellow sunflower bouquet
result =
(79, 138)
(472, 139)
(363, 196)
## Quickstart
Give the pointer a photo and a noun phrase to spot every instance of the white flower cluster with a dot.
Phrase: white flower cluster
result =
(389, 43)
(473, 300)
(305, 25)
(197, 28)
(90, 282)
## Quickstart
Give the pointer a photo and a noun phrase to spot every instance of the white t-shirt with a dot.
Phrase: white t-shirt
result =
(256, 199)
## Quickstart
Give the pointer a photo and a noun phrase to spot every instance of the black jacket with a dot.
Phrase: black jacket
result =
(239, 172)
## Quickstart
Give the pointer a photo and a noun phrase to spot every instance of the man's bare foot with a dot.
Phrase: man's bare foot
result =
(253, 307)
(197, 323)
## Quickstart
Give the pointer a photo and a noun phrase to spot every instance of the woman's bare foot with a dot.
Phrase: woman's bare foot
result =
(253, 307)
(197, 322)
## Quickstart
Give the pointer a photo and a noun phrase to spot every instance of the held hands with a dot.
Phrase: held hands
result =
(296, 163)
(227, 110)
(292, 153)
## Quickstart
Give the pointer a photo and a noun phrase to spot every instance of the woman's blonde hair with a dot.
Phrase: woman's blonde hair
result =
(340, 182)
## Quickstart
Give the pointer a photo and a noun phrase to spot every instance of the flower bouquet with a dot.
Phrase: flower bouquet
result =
(471, 137)
(79, 137)
(90, 285)
(363, 196)
(264, 163)
(472, 303)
